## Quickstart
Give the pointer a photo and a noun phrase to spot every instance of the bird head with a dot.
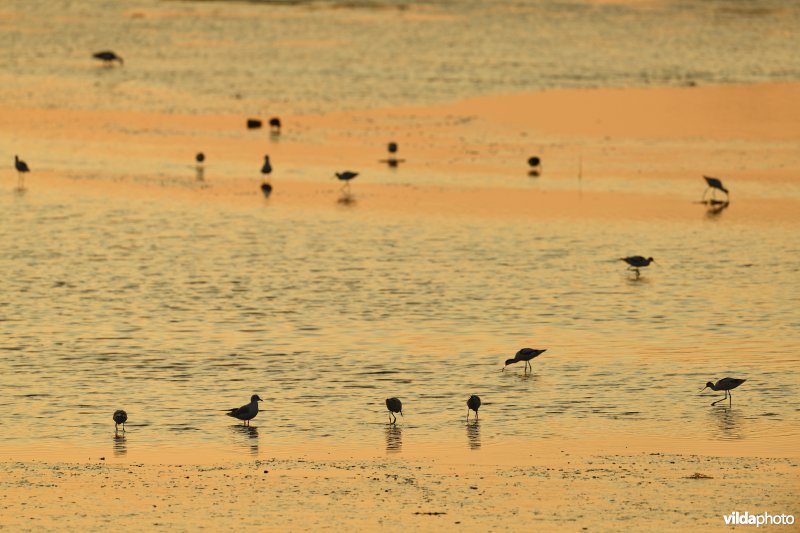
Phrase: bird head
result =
(509, 362)
(709, 385)
(255, 398)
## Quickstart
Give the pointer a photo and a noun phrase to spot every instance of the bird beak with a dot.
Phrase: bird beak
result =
(704, 388)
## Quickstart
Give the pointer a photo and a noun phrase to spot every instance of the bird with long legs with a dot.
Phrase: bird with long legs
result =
(473, 404)
(525, 354)
(714, 184)
(346, 177)
(394, 405)
(120, 417)
(246, 412)
(635, 262)
(725, 384)
(22, 168)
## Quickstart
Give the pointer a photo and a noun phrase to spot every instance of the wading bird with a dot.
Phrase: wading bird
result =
(266, 170)
(246, 412)
(473, 403)
(200, 157)
(394, 406)
(725, 384)
(635, 262)
(22, 168)
(120, 417)
(525, 354)
(346, 176)
(392, 161)
(108, 57)
(714, 184)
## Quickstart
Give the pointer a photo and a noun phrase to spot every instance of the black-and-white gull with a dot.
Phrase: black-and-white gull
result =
(120, 417)
(725, 384)
(394, 405)
(474, 402)
(247, 412)
(525, 354)
(108, 57)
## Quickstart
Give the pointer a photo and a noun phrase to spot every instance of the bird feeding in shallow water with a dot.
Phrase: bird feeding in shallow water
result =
(394, 405)
(525, 354)
(392, 161)
(715, 185)
(266, 170)
(473, 403)
(346, 176)
(22, 168)
(120, 417)
(108, 57)
(635, 262)
(725, 384)
(535, 166)
(246, 412)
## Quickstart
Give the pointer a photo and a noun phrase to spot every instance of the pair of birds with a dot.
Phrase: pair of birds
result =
(245, 413)
(394, 405)
(266, 170)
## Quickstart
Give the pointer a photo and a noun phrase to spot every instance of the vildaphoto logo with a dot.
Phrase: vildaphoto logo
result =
(758, 520)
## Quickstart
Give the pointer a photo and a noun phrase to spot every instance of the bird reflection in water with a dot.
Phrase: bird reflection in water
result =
(120, 445)
(729, 423)
(250, 435)
(714, 208)
(474, 434)
(394, 438)
(346, 199)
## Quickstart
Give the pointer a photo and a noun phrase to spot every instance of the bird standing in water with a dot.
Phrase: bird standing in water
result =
(635, 262)
(474, 402)
(725, 384)
(715, 185)
(246, 412)
(22, 168)
(394, 406)
(266, 170)
(346, 176)
(525, 354)
(120, 417)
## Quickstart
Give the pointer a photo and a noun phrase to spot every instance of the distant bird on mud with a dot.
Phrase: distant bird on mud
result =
(535, 165)
(392, 161)
(635, 262)
(246, 412)
(346, 176)
(725, 384)
(108, 57)
(22, 168)
(473, 403)
(120, 417)
(275, 125)
(715, 185)
(200, 157)
(394, 406)
(266, 170)
(525, 354)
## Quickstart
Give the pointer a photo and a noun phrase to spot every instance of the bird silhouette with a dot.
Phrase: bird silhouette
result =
(266, 170)
(394, 405)
(22, 168)
(246, 412)
(346, 176)
(715, 185)
(535, 165)
(275, 125)
(108, 57)
(525, 354)
(635, 262)
(474, 402)
(725, 384)
(120, 417)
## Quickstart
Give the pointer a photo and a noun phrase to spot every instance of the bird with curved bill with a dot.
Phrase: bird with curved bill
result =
(725, 384)
(714, 185)
(246, 412)
(525, 354)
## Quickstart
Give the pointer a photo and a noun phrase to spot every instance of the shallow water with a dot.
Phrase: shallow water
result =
(289, 57)
(177, 311)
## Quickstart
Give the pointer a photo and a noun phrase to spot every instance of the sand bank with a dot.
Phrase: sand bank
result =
(623, 153)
